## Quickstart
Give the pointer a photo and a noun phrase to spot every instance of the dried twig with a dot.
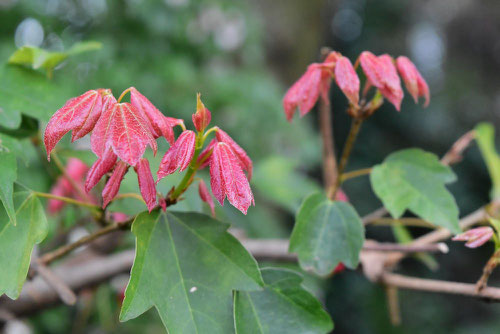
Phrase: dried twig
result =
(64, 292)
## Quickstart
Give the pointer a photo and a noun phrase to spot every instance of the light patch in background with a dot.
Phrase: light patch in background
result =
(177, 3)
(347, 24)
(94, 8)
(230, 35)
(29, 32)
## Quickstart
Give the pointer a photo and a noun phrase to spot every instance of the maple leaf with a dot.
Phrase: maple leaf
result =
(160, 124)
(124, 129)
(227, 178)
(100, 168)
(245, 161)
(79, 114)
(204, 157)
(347, 79)
(146, 183)
(205, 196)
(179, 155)
(113, 185)
(413, 80)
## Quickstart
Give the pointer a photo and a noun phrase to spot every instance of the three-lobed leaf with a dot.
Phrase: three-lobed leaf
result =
(187, 265)
(326, 233)
(283, 306)
(414, 180)
(485, 136)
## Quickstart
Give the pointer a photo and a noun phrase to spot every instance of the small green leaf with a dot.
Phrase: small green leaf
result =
(8, 175)
(187, 265)
(326, 233)
(485, 136)
(284, 306)
(16, 243)
(415, 180)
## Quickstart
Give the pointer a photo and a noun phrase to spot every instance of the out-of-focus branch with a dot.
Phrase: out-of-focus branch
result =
(329, 159)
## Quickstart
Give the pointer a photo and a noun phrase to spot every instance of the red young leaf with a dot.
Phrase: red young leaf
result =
(382, 73)
(413, 80)
(78, 114)
(146, 183)
(111, 188)
(227, 178)
(475, 237)
(100, 168)
(347, 79)
(205, 196)
(204, 157)
(124, 129)
(179, 155)
(246, 163)
(160, 124)
(202, 117)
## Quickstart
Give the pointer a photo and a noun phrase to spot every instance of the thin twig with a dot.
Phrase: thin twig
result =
(406, 248)
(488, 270)
(407, 221)
(64, 292)
(67, 200)
(329, 159)
(355, 173)
(68, 177)
(391, 293)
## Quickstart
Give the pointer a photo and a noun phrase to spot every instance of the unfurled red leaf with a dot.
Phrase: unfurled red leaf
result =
(111, 188)
(204, 157)
(100, 168)
(160, 124)
(245, 162)
(146, 183)
(179, 155)
(413, 80)
(78, 114)
(228, 179)
(475, 237)
(382, 73)
(202, 117)
(123, 128)
(205, 196)
(76, 170)
(347, 79)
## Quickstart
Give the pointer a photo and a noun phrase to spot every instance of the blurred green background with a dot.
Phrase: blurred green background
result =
(242, 55)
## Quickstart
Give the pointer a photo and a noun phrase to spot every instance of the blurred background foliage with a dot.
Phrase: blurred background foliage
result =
(242, 55)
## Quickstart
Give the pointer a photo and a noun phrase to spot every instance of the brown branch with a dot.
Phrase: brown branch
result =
(63, 291)
(488, 270)
(329, 159)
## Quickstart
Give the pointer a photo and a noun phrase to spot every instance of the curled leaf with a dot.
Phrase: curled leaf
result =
(205, 196)
(111, 188)
(413, 80)
(146, 183)
(245, 161)
(179, 155)
(100, 168)
(475, 237)
(347, 79)
(204, 157)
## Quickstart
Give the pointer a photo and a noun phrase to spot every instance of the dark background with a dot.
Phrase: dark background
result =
(242, 55)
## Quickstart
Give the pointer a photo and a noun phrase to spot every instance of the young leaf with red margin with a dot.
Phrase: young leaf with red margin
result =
(146, 183)
(413, 80)
(245, 161)
(179, 155)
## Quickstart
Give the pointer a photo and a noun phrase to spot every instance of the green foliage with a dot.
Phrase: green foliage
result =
(186, 266)
(8, 175)
(284, 306)
(39, 58)
(17, 241)
(326, 233)
(485, 136)
(415, 180)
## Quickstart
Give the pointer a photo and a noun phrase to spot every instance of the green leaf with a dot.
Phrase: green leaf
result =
(326, 233)
(48, 60)
(485, 136)
(415, 180)
(28, 92)
(16, 243)
(284, 306)
(187, 265)
(8, 174)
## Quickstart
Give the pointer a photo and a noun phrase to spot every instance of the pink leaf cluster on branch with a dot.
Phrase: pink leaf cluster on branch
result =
(381, 72)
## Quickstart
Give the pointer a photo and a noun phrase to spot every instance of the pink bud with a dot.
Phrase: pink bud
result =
(341, 196)
(79, 114)
(205, 196)
(202, 117)
(119, 217)
(100, 168)
(227, 178)
(413, 80)
(382, 73)
(146, 183)
(475, 237)
(245, 161)
(347, 79)
(339, 268)
(111, 188)
(179, 155)
(204, 157)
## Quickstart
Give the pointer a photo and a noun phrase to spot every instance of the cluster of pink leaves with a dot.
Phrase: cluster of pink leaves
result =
(381, 72)
(120, 134)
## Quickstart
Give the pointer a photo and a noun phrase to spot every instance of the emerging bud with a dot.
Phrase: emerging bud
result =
(227, 178)
(111, 188)
(123, 128)
(204, 157)
(100, 168)
(202, 117)
(382, 74)
(179, 155)
(475, 237)
(79, 114)
(205, 196)
(347, 80)
(146, 183)
(413, 80)
(245, 161)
